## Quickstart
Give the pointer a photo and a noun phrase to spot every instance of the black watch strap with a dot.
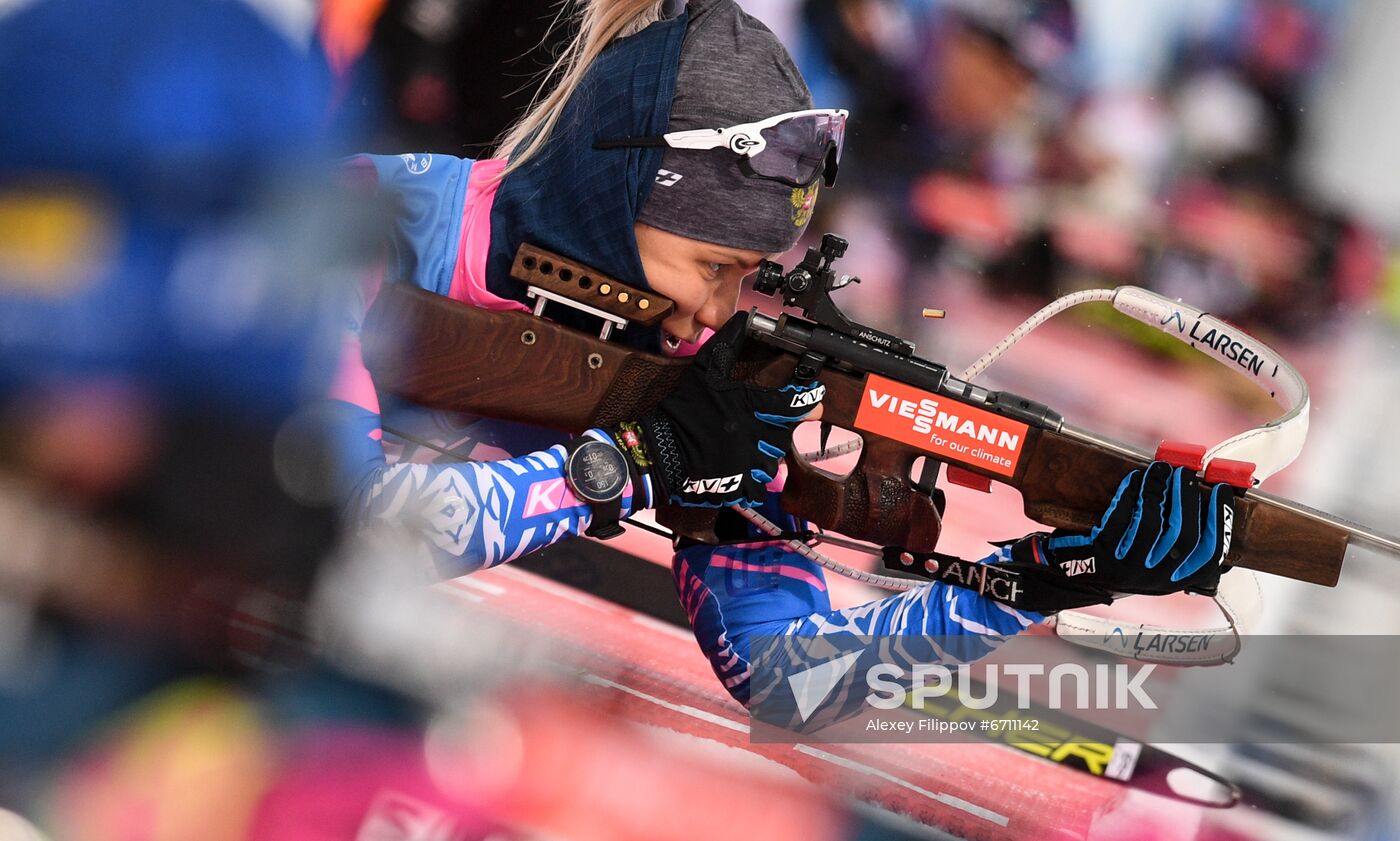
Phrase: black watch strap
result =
(597, 473)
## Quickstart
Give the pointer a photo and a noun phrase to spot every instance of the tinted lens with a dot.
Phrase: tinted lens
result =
(838, 134)
(797, 148)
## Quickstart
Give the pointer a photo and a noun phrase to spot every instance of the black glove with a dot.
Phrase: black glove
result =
(1163, 533)
(712, 441)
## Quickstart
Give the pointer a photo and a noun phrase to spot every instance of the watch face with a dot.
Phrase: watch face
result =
(597, 472)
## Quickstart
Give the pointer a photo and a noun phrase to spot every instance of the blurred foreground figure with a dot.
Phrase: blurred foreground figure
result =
(162, 287)
(164, 273)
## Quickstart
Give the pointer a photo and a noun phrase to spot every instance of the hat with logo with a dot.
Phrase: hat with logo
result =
(732, 70)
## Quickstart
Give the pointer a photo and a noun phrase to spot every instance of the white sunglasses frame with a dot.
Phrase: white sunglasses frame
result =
(744, 139)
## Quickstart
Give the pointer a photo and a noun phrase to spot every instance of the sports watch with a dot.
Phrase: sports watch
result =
(597, 473)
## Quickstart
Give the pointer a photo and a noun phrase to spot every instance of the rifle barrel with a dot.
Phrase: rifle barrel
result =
(1365, 534)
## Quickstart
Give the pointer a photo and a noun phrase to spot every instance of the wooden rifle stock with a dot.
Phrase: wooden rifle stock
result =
(443, 354)
(512, 365)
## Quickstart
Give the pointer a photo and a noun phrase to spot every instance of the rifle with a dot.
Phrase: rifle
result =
(518, 366)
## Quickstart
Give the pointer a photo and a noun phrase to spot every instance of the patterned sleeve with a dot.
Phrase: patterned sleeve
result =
(471, 515)
(735, 595)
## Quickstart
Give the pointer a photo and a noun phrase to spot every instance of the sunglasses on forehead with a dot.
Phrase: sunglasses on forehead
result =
(794, 148)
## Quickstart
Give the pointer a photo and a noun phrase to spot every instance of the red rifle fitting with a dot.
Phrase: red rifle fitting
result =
(1183, 454)
(968, 479)
(1239, 474)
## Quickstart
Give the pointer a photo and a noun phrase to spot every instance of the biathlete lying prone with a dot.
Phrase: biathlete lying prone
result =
(596, 171)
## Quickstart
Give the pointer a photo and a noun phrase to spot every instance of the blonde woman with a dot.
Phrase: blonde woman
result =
(675, 149)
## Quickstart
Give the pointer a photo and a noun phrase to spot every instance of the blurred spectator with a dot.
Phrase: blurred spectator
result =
(932, 87)
(977, 144)
(1201, 189)
(449, 75)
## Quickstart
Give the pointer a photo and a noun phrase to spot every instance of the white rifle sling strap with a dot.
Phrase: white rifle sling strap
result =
(1271, 447)
(1239, 601)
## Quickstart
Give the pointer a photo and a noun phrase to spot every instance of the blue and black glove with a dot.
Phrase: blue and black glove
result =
(1162, 533)
(714, 441)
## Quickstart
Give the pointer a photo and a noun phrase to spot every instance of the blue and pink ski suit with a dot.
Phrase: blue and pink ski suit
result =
(511, 498)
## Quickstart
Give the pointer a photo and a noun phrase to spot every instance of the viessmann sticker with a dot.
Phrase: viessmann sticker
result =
(940, 425)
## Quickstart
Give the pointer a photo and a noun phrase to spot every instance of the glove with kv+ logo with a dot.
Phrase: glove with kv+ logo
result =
(1162, 533)
(713, 441)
